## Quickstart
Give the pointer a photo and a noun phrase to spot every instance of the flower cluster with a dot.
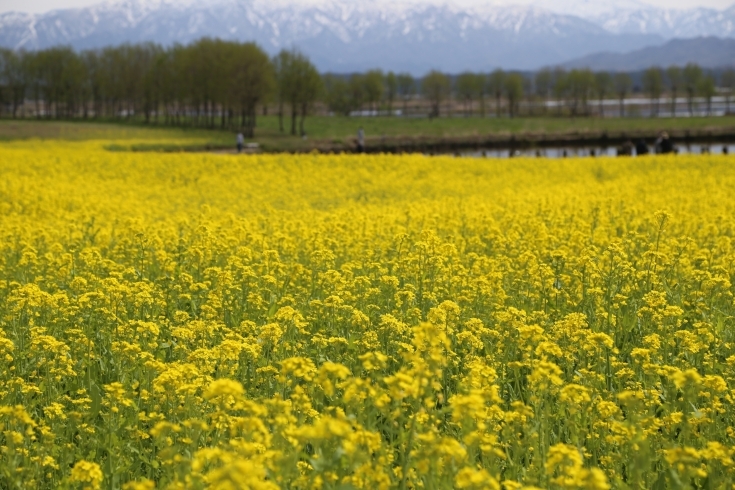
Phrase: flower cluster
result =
(263, 322)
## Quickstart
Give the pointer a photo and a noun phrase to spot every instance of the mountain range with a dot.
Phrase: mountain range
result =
(710, 52)
(345, 36)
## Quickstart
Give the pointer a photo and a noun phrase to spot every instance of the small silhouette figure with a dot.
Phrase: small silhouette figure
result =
(641, 148)
(240, 142)
(626, 149)
(360, 140)
(664, 145)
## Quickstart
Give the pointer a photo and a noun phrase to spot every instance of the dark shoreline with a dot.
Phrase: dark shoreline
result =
(457, 144)
(532, 141)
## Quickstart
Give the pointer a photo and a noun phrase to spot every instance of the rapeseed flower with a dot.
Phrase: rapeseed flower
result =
(380, 321)
(88, 474)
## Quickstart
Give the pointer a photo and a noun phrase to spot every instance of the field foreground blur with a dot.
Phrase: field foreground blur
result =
(195, 320)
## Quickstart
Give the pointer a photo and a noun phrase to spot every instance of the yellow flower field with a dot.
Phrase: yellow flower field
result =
(192, 321)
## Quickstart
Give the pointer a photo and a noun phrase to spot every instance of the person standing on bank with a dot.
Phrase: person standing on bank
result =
(360, 140)
(240, 142)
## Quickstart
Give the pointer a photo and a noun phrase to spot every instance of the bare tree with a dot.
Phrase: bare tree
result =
(560, 88)
(653, 84)
(603, 86)
(337, 95)
(282, 66)
(706, 88)
(496, 86)
(391, 90)
(436, 87)
(514, 92)
(623, 85)
(692, 75)
(466, 87)
(373, 81)
(674, 77)
(13, 79)
(299, 84)
(406, 88)
(543, 83)
(727, 82)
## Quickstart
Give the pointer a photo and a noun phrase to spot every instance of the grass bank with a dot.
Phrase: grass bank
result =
(338, 133)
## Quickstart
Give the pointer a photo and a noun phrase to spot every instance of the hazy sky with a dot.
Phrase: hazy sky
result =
(46, 5)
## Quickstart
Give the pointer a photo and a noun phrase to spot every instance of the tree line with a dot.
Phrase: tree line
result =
(213, 83)
(210, 83)
(574, 92)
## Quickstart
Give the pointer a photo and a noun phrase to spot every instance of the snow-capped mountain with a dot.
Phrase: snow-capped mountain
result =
(341, 35)
(589, 9)
(670, 23)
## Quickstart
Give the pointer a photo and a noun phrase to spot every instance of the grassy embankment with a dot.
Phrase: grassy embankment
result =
(336, 132)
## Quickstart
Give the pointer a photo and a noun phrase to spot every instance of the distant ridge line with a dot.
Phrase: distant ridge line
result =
(707, 52)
